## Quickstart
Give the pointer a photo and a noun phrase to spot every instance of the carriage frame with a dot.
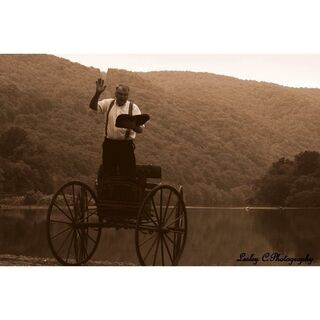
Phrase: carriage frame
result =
(155, 211)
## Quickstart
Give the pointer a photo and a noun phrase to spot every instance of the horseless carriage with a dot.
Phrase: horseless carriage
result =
(156, 212)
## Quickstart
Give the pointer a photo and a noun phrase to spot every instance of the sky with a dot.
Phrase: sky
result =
(293, 70)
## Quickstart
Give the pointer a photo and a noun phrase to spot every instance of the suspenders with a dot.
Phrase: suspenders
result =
(126, 137)
(107, 118)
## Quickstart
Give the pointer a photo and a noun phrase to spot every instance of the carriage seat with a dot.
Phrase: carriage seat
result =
(142, 171)
(126, 188)
(125, 191)
(148, 171)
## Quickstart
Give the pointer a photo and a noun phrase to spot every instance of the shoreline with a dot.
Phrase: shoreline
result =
(11, 260)
(22, 207)
(246, 209)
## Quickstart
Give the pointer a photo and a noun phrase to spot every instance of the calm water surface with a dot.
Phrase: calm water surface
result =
(215, 236)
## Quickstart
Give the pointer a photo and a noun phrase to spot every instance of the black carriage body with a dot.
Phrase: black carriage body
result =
(120, 198)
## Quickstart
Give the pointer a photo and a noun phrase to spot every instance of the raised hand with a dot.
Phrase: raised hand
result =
(100, 86)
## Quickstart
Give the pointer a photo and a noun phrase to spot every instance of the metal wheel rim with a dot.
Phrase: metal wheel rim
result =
(73, 238)
(170, 250)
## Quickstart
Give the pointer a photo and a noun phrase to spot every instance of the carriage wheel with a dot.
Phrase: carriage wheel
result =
(71, 238)
(161, 228)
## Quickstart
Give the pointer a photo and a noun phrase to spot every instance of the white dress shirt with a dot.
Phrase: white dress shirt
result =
(113, 132)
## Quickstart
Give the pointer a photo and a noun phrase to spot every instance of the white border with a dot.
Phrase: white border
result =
(167, 26)
(229, 26)
(159, 293)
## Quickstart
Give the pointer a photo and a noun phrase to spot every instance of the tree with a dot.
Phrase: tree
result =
(307, 162)
(272, 189)
(10, 140)
(290, 183)
(24, 163)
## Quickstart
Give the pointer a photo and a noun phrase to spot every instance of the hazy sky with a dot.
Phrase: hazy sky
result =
(294, 70)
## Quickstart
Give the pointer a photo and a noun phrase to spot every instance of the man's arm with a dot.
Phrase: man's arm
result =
(94, 101)
(100, 87)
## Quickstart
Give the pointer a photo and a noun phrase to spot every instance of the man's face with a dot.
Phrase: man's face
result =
(121, 95)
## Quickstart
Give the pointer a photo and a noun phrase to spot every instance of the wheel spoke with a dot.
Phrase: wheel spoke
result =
(161, 205)
(155, 210)
(83, 201)
(76, 248)
(176, 248)
(64, 241)
(148, 224)
(66, 201)
(145, 241)
(73, 196)
(168, 250)
(59, 233)
(87, 217)
(62, 211)
(172, 210)
(155, 254)
(145, 258)
(82, 246)
(162, 253)
(68, 253)
(88, 235)
(74, 202)
(175, 220)
(167, 206)
(59, 221)
(180, 230)
(149, 215)
(166, 235)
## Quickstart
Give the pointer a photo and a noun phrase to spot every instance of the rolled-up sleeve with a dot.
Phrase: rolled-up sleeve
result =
(135, 110)
(103, 105)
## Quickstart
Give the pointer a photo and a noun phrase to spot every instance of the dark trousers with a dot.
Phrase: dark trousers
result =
(118, 158)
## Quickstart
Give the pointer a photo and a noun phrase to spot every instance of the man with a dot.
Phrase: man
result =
(118, 147)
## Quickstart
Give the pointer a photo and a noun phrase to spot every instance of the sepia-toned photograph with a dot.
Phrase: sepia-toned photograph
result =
(159, 160)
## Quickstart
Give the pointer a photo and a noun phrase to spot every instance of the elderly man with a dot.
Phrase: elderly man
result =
(118, 147)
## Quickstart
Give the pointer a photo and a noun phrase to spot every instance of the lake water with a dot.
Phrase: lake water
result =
(216, 236)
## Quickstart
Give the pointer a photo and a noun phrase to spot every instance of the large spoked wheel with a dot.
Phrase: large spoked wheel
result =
(161, 228)
(73, 228)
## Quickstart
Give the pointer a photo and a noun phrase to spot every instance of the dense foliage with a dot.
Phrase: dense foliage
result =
(291, 182)
(213, 134)
(23, 163)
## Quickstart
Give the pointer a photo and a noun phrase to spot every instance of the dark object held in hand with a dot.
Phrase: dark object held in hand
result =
(130, 122)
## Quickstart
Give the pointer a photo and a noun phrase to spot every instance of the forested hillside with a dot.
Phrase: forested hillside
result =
(291, 183)
(213, 134)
